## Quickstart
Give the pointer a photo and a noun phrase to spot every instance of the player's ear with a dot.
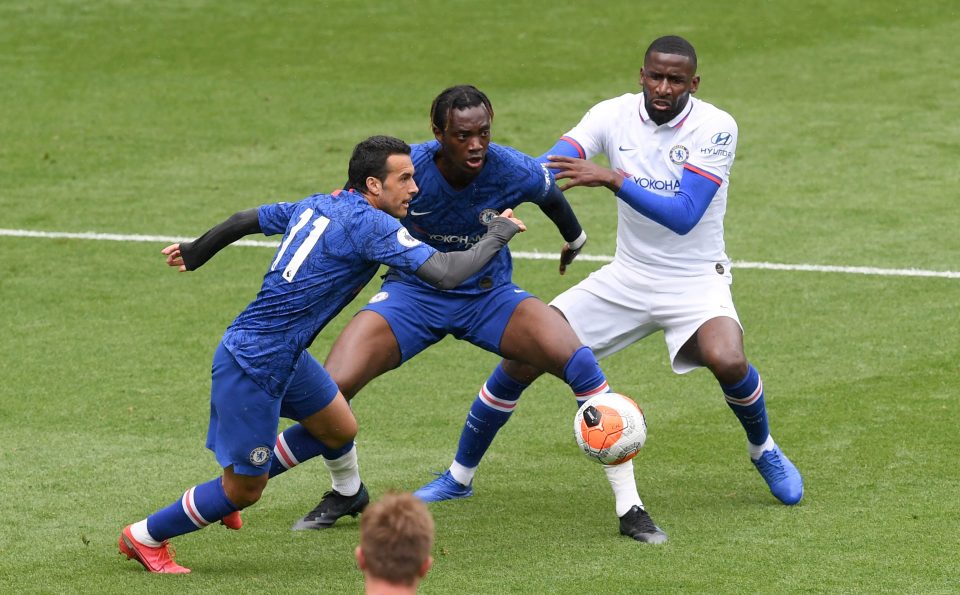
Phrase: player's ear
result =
(437, 133)
(694, 83)
(425, 567)
(361, 561)
(374, 185)
(641, 78)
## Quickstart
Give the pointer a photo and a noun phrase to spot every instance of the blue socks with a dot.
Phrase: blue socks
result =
(584, 375)
(296, 445)
(745, 398)
(198, 507)
(489, 411)
(208, 503)
(498, 398)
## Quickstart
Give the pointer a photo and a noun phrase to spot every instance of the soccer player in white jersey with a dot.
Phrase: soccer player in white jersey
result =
(670, 156)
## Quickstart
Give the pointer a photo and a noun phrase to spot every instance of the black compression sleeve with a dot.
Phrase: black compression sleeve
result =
(561, 213)
(202, 249)
(446, 270)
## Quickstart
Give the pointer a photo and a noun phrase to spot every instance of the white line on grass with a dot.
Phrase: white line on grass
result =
(24, 233)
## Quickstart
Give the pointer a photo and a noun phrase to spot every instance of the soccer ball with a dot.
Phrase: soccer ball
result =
(610, 428)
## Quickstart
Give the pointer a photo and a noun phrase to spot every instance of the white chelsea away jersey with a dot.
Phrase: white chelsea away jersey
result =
(701, 138)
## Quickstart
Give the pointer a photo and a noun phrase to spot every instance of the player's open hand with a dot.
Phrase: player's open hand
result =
(580, 172)
(174, 257)
(508, 214)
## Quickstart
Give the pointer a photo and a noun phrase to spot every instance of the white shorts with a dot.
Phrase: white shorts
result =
(615, 307)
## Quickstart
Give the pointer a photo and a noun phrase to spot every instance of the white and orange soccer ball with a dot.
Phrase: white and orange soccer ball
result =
(610, 428)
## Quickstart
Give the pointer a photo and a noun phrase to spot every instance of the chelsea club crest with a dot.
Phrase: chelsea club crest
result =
(259, 455)
(487, 215)
(679, 154)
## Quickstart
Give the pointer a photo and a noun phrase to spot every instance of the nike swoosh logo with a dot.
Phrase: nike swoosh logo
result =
(419, 213)
(622, 148)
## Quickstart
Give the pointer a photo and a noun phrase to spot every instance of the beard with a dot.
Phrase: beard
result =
(662, 117)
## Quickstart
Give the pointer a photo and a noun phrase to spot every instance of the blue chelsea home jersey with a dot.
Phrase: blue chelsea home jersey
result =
(331, 247)
(451, 220)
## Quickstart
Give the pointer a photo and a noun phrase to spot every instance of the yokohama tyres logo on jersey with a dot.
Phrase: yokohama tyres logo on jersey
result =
(466, 240)
(650, 184)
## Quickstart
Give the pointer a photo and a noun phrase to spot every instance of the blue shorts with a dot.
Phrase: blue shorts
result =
(244, 417)
(420, 316)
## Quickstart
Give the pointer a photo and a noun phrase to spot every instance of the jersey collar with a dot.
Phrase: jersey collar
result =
(676, 122)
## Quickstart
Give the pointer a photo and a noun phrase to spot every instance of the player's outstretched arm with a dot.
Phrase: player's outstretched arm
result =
(681, 212)
(678, 213)
(446, 270)
(188, 256)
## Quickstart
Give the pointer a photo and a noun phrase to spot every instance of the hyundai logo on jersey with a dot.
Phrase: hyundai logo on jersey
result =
(721, 138)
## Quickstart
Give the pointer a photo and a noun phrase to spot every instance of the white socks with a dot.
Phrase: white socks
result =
(756, 451)
(462, 474)
(624, 486)
(345, 473)
(140, 533)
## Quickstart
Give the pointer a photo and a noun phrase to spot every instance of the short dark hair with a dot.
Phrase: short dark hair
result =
(370, 159)
(457, 97)
(673, 44)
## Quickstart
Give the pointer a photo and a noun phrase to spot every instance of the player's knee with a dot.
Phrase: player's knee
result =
(520, 371)
(341, 433)
(334, 425)
(243, 490)
(728, 366)
(566, 346)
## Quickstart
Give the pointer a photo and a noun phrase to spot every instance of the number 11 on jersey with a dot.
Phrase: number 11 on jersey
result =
(316, 230)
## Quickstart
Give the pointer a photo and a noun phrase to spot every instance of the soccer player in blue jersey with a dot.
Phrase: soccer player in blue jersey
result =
(331, 247)
(670, 156)
(464, 180)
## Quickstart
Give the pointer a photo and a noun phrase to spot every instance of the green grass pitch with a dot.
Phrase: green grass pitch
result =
(162, 118)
